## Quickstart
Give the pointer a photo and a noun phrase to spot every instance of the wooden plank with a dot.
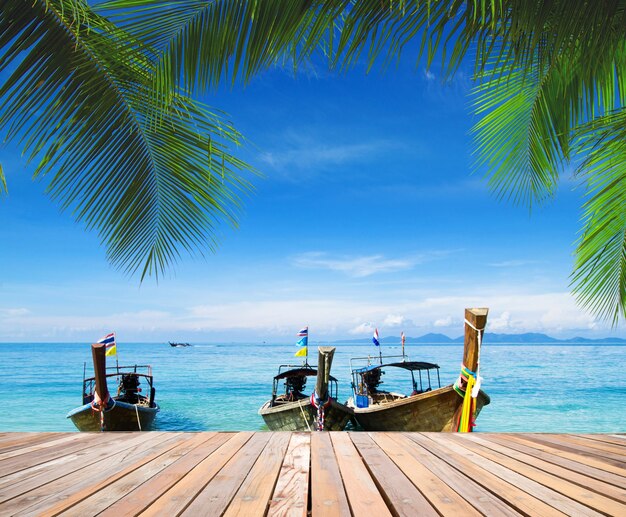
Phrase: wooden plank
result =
(27, 480)
(328, 497)
(139, 499)
(291, 494)
(616, 452)
(36, 454)
(555, 491)
(177, 498)
(363, 495)
(399, 493)
(59, 439)
(216, 495)
(41, 446)
(480, 498)
(68, 488)
(19, 440)
(557, 478)
(112, 491)
(567, 443)
(567, 452)
(439, 494)
(510, 494)
(592, 472)
(254, 495)
(607, 438)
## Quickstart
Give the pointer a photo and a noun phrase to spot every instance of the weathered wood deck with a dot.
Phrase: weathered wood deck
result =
(369, 474)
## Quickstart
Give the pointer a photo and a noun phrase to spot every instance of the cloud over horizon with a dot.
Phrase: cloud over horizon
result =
(328, 318)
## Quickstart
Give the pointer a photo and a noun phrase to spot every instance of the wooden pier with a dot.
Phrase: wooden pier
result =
(320, 474)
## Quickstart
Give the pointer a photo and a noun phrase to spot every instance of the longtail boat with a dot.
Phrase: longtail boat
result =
(427, 407)
(128, 410)
(293, 410)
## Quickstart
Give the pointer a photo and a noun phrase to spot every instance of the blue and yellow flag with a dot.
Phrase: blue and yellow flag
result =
(302, 352)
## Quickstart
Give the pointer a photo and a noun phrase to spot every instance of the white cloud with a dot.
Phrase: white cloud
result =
(394, 320)
(278, 314)
(429, 75)
(363, 328)
(354, 266)
(443, 322)
(502, 322)
(309, 153)
(514, 263)
(14, 313)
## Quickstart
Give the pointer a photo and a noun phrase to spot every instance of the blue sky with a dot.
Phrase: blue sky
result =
(368, 216)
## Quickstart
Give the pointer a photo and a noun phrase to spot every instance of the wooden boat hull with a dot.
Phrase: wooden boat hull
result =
(122, 417)
(300, 415)
(430, 411)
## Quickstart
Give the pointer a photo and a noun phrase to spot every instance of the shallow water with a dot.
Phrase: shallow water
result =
(221, 386)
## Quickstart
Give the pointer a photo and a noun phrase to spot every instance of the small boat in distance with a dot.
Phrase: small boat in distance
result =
(128, 410)
(427, 407)
(293, 410)
(179, 345)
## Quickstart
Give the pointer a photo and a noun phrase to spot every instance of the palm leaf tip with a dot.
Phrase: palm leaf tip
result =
(3, 182)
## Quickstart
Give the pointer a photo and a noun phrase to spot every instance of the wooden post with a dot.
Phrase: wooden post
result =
(324, 363)
(98, 352)
(477, 318)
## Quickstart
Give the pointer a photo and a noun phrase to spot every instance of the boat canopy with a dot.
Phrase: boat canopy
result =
(407, 365)
(299, 372)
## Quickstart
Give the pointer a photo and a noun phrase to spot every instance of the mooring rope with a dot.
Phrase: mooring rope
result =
(306, 420)
(99, 406)
(137, 413)
(321, 406)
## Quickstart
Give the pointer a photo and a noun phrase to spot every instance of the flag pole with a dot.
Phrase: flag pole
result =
(117, 361)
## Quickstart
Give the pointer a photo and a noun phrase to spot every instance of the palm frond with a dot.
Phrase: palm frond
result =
(518, 139)
(203, 43)
(599, 278)
(79, 97)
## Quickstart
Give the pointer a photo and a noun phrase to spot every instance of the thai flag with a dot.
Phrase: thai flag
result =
(109, 344)
(304, 332)
(375, 338)
(109, 339)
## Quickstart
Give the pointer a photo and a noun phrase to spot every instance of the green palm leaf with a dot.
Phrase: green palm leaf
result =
(202, 43)
(78, 95)
(518, 138)
(600, 277)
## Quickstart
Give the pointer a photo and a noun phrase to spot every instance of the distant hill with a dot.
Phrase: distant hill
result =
(528, 338)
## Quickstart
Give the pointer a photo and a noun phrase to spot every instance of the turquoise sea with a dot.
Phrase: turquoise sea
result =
(220, 386)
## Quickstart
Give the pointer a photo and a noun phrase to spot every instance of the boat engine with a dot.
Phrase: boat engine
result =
(129, 388)
(295, 387)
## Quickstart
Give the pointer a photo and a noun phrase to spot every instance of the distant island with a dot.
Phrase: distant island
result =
(494, 339)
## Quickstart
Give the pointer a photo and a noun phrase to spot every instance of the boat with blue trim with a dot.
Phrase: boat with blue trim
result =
(428, 406)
